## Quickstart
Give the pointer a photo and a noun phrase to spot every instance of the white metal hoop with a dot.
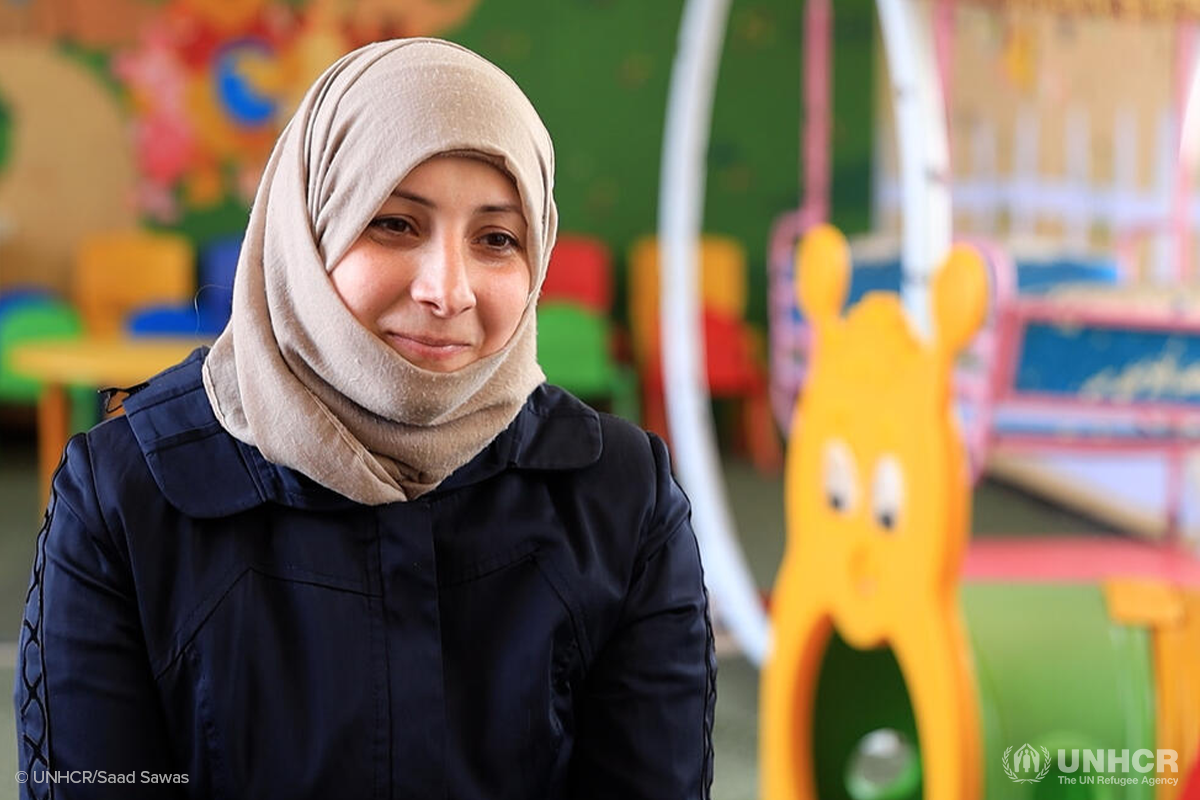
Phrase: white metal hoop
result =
(924, 168)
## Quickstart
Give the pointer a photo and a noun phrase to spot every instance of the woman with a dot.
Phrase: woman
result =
(361, 549)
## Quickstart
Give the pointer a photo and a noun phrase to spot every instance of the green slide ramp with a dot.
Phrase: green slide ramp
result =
(1053, 671)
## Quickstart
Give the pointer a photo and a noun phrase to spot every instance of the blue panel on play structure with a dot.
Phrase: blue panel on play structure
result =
(1034, 276)
(1110, 363)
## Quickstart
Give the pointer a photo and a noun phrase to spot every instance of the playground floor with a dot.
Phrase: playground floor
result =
(757, 507)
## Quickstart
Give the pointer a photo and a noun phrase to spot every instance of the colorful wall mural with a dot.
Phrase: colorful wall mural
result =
(169, 109)
(69, 165)
(211, 83)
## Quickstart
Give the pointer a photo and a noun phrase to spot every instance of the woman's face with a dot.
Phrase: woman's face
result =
(441, 272)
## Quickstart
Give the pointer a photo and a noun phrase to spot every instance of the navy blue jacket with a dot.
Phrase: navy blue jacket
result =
(536, 627)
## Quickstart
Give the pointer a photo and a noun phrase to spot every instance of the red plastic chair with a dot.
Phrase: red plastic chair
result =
(575, 334)
(580, 271)
(734, 356)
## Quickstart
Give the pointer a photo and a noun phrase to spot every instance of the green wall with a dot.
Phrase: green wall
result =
(598, 71)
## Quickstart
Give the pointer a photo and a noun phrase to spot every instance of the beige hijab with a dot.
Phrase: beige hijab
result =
(294, 373)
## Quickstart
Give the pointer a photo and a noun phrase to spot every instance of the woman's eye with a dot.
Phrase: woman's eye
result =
(840, 478)
(887, 493)
(395, 225)
(499, 241)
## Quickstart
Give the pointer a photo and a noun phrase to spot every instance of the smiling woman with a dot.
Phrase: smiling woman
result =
(441, 273)
(360, 548)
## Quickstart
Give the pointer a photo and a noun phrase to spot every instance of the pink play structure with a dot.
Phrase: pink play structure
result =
(1069, 372)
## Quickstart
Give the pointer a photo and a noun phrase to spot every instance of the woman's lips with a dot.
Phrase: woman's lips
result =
(426, 347)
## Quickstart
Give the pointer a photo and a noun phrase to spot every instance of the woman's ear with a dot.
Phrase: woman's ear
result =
(960, 297)
(823, 273)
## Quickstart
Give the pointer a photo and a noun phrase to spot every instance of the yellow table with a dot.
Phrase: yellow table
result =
(99, 362)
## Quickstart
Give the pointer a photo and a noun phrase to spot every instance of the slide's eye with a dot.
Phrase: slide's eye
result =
(887, 493)
(840, 477)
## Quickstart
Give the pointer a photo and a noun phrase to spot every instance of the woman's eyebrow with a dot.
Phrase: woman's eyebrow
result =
(491, 208)
(416, 198)
(509, 208)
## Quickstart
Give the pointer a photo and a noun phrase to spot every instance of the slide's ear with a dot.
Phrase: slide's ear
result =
(822, 274)
(960, 297)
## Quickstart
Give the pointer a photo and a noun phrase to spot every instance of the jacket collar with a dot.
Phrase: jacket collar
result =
(205, 472)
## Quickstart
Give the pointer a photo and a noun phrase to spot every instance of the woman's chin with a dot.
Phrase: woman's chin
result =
(438, 366)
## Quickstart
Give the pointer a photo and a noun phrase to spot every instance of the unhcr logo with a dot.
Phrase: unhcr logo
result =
(1028, 764)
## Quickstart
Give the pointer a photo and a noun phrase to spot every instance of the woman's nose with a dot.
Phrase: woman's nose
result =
(442, 283)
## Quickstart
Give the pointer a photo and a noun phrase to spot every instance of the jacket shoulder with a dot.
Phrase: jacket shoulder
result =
(627, 466)
(556, 430)
(643, 460)
(92, 464)
(200, 469)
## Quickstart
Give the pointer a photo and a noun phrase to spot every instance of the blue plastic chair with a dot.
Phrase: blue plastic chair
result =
(16, 296)
(208, 314)
(171, 321)
(218, 263)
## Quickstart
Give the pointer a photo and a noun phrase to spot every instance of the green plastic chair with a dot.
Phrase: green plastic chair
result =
(41, 320)
(573, 349)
